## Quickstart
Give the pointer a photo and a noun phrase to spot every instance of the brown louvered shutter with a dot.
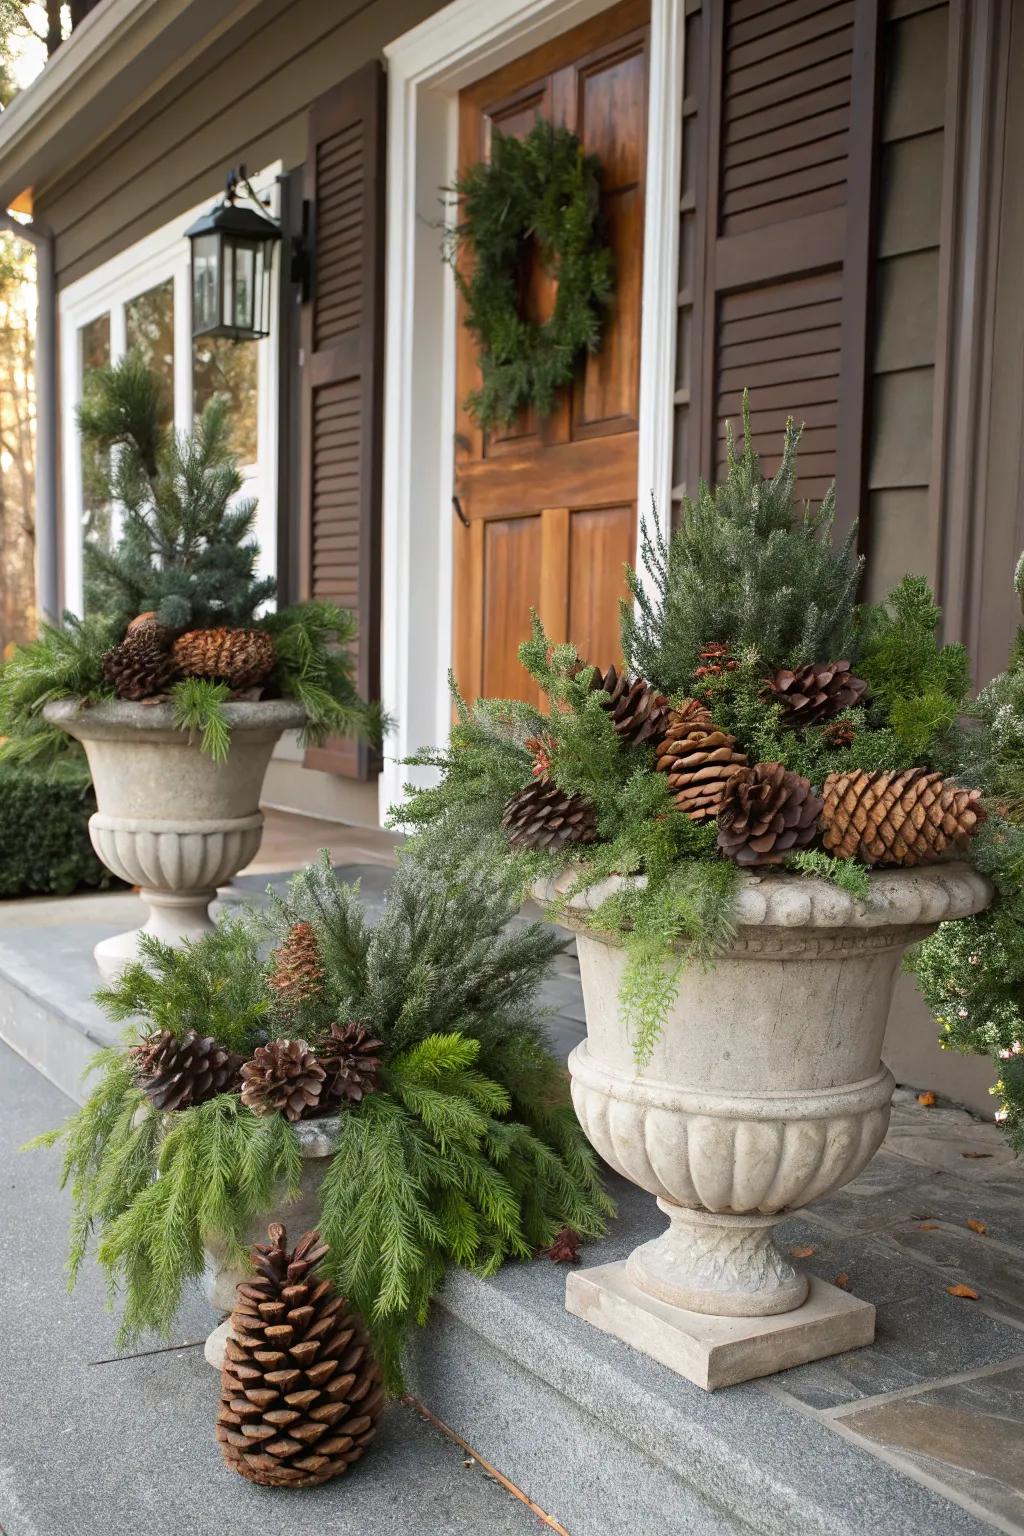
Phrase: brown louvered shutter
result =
(788, 92)
(342, 337)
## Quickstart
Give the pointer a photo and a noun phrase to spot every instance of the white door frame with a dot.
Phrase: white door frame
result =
(427, 68)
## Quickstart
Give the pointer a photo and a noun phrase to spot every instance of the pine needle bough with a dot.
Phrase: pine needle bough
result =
(175, 609)
(754, 681)
(457, 1143)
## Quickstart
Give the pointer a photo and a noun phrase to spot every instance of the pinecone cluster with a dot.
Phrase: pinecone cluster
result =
(301, 1392)
(290, 1078)
(151, 657)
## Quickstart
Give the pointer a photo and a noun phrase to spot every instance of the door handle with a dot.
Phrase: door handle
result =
(463, 519)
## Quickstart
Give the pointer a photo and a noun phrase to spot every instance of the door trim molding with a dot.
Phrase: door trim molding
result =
(427, 67)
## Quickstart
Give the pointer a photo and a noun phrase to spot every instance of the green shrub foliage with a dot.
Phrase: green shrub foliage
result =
(972, 972)
(468, 1153)
(44, 830)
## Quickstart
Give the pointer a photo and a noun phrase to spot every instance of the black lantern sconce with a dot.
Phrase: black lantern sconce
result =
(233, 265)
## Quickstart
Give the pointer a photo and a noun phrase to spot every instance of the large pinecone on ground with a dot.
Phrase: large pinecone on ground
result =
(639, 712)
(300, 1390)
(283, 1078)
(351, 1059)
(177, 1073)
(772, 812)
(242, 658)
(140, 667)
(297, 966)
(905, 818)
(815, 693)
(701, 761)
(543, 816)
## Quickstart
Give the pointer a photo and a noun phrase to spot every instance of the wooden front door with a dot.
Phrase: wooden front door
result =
(549, 507)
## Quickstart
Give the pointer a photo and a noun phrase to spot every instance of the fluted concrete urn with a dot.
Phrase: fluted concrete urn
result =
(765, 1091)
(169, 819)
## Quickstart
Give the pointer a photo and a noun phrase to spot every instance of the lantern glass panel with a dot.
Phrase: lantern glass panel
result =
(205, 282)
(246, 317)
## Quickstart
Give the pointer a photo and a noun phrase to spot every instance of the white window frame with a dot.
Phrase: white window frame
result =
(159, 257)
(427, 67)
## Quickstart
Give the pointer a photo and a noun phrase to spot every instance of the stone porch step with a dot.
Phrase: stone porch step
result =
(607, 1440)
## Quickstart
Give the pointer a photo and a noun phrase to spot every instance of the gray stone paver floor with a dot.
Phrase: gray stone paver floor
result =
(939, 1396)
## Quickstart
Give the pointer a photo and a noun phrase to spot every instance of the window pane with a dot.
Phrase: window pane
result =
(221, 366)
(149, 329)
(94, 349)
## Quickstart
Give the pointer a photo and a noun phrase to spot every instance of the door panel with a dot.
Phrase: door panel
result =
(512, 570)
(600, 545)
(557, 498)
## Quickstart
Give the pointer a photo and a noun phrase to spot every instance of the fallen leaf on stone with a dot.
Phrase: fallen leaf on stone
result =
(927, 1099)
(801, 1253)
(843, 1280)
(977, 1226)
(927, 1226)
(566, 1247)
(976, 1154)
(967, 1292)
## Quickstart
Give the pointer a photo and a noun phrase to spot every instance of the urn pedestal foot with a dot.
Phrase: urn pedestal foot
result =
(173, 917)
(727, 1266)
(719, 1351)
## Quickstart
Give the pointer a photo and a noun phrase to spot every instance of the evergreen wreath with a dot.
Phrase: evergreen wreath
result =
(544, 188)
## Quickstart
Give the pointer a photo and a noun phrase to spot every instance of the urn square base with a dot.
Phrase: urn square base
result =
(719, 1351)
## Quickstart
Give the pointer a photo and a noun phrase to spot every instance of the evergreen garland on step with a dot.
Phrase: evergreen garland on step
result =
(462, 1149)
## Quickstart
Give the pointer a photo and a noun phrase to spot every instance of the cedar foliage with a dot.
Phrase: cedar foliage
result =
(747, 568)
(468, 1152)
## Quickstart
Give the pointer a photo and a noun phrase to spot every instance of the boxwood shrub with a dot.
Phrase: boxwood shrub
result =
(44, 830)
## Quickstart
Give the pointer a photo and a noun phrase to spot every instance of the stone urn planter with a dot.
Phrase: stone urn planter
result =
(765, 1092)
(170, 820)
(317, 1141)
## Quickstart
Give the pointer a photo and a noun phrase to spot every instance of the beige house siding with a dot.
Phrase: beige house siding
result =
(245, 99)
(898, 536)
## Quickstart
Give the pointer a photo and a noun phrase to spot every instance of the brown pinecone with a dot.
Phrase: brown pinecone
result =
(816, 693)
(283, 1078)
(139, 667)
(352, 1063)
(300, 1390)
(772, 812)
(905, 818)
(298, 968)
(639, 712)
(241, 658)
(542, 816)
(701, 761)
(177, 1073)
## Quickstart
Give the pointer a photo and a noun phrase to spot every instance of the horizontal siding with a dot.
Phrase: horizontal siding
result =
(898, 535)
(246, 100)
